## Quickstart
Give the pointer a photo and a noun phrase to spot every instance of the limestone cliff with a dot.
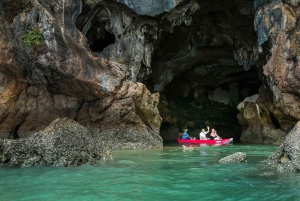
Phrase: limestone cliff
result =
(117, 67)
(276, 109)
(62, 77)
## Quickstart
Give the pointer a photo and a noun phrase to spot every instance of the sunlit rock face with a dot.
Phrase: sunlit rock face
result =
(62, 77)
(277, 29)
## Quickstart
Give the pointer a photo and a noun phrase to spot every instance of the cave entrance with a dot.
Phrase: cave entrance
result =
(99, 38)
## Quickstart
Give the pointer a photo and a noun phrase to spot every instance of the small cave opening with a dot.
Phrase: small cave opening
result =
(99, 38)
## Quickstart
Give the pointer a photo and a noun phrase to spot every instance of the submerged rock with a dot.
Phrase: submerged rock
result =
(238, 157)
(64, 142)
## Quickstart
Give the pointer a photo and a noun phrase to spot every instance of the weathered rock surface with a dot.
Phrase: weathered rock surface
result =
(62, 77)
(276, 24)
(203, 67)
(287, 156)
(151, 8)
(131, 122)
(64, 142)
(202, 56)
(257, 123)
(238, 157)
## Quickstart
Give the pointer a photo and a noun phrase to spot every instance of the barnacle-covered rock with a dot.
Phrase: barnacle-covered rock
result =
(238, 157)
(63, 143)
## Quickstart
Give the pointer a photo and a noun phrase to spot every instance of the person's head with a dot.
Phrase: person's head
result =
(213, 130)
(203, 130)
(185, 130)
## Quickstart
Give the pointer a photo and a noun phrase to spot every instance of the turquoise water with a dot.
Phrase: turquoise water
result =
(168, 174)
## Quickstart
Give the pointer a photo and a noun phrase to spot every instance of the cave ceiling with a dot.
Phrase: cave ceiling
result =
(205, 51)
(201, 43)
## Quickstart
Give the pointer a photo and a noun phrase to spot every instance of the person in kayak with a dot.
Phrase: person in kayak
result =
(202, 135)
(214, 135)
(186, 136)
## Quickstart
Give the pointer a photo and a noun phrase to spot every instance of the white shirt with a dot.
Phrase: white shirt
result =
(202, 135)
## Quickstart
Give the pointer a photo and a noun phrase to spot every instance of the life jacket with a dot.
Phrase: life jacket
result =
(185, 136)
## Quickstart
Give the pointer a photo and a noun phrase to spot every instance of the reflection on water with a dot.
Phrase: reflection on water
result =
(168, 174)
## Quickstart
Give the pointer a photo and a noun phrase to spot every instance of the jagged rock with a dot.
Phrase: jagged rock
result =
(238, 157)
(64, 142)
(62, 77)
(278, 98)
(257, 123)
(287, 156)
(152, 8)
(205, 53)
(132, 121)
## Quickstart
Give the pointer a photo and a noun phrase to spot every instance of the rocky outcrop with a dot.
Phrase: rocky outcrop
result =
(287, 156)
(257, 124)
(203, 57)
(151, 8)
(62, 77)
(277, 29)
(238, 157)
(130, 121)
(63, 143)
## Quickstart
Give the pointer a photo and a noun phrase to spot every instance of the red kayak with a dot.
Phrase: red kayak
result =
(198, 141)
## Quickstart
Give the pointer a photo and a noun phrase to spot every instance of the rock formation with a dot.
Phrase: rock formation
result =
(257, 122)
(62, 77)
(238, 157)
(118, 66)
(63, 143)
(277, 105)
(205, 67)
(287, 156)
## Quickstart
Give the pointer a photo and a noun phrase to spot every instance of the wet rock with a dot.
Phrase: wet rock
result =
(238, 157)
(63, 143)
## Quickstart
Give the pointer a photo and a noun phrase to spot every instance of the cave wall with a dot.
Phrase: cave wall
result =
(276, 108)
(62, 77)
(118, 66)
(204, 67)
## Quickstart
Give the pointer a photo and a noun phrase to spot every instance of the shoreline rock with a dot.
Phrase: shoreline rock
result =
(287, 157)
(63, 143)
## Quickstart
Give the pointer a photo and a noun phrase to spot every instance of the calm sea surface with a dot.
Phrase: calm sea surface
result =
(168, 174)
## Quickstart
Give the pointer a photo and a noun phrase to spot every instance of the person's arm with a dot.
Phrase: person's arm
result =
(207, 129)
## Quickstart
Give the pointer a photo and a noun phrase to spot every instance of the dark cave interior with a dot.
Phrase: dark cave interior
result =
(100, 43)
(200, 70)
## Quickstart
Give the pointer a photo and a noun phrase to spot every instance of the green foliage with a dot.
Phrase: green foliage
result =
(120, 61)
(33, 37)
